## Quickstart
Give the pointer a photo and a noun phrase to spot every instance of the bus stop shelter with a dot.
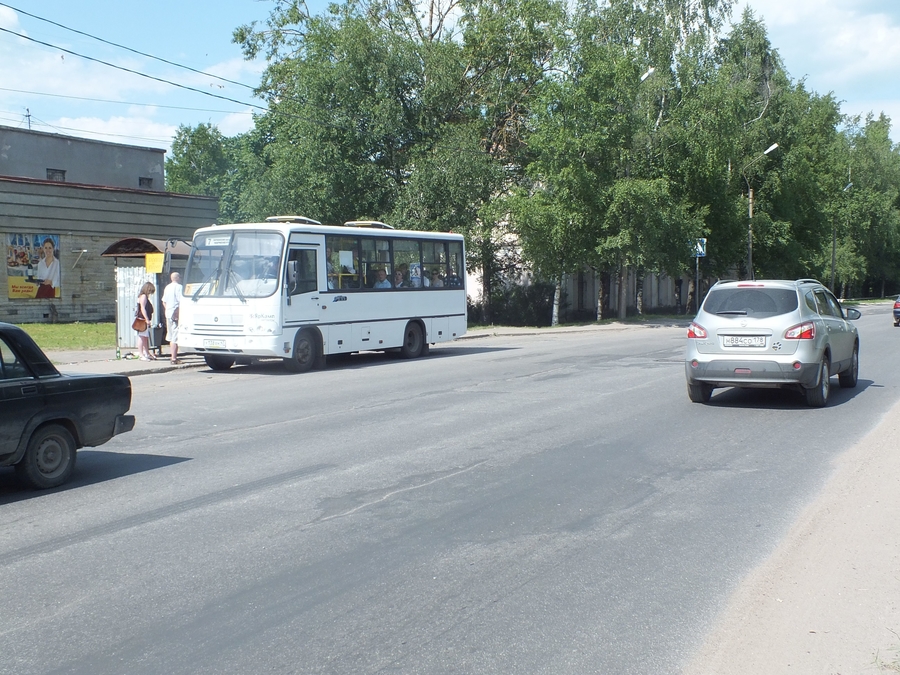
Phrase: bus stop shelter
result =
(139, 260)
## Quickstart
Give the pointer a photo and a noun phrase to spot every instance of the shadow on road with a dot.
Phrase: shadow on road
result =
(91, 467)
(352, 361)
(782, 399)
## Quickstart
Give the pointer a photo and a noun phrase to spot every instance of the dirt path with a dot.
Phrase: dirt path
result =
(827, 601)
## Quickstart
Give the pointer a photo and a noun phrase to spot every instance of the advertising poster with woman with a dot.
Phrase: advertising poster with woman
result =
(32, 266)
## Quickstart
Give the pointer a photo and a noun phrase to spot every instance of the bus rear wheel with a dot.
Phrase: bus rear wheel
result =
(413, 341)
(305, 353)
(216, 362)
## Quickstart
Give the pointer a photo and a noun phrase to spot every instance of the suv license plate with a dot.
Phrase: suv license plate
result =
(214, 344)
(744, 340)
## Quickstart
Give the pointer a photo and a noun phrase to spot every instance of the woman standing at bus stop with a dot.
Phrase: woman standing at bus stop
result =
(145, 312)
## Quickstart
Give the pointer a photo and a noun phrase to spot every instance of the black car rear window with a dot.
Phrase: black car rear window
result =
(758, 302)
(27, 350)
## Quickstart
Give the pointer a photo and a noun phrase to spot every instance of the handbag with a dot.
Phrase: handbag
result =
(139, 324)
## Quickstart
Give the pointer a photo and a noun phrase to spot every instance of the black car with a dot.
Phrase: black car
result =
(45, 416)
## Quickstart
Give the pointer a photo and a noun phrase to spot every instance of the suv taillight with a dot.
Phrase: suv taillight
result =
(897, 304)
(802, 331)
(696, 331)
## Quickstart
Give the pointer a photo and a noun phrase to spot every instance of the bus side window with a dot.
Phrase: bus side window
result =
(342, 262)
(304, 259)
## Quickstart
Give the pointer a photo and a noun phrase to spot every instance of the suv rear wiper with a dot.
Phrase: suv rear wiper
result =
(738, 312)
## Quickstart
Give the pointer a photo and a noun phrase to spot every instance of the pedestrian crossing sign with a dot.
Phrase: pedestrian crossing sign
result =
(700, 248)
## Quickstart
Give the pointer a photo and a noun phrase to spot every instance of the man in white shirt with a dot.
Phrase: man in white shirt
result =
(171, 300)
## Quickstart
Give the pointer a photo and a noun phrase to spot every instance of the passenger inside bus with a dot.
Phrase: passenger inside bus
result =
(399, 281)
(381, 280)
(452, 279)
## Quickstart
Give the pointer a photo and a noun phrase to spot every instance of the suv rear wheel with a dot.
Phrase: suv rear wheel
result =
(817, 396)
(699, 392)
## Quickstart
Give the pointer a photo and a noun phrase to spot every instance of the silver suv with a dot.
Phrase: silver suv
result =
(771, 334)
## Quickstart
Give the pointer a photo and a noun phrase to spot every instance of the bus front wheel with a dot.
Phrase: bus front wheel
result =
(216, 362)
(305, 353)
(413, 341)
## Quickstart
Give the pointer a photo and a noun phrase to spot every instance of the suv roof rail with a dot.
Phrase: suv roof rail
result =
(292, 219)
(808, 281)
(368, 223)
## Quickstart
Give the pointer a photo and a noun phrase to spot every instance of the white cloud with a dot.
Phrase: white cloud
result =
(9, 19)
(150, 110)
(128, 130)
(236, 123)
(848, 47)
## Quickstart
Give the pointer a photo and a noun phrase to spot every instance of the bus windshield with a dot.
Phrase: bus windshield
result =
(234, 264)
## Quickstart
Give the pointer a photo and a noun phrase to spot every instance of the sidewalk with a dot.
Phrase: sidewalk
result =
(104, 361)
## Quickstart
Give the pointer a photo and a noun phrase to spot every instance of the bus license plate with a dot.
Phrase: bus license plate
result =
(744, 340)
(214, 344)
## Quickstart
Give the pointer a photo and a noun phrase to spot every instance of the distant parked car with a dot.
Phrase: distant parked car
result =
(46, 416)
(769, 334)
(897, 312)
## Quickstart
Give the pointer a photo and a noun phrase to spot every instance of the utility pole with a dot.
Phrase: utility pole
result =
(750, 220)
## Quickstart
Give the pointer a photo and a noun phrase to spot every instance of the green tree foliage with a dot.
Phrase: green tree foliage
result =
(868, 219)
(557, 137)
(199, 161)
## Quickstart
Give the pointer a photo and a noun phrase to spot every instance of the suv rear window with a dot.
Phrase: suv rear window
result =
(759, 302)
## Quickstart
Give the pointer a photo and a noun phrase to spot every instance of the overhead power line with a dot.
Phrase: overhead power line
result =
(133, 72)
(105, 100)
(264, 109)
(18, 120)
(133, 51)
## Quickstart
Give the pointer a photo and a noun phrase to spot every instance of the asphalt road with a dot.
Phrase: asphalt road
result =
(537, 504)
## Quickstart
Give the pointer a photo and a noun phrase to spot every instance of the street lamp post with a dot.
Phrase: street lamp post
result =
(834, 238)
(621, 299)
(750, 199)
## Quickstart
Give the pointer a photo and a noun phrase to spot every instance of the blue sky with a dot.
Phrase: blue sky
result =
(849, 47)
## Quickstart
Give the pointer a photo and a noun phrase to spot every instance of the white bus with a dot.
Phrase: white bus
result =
(298, 290)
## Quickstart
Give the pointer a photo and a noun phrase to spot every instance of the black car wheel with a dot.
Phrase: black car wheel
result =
(817, 396)
(49, 459)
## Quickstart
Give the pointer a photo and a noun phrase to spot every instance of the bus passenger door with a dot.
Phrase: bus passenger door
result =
(302, 303)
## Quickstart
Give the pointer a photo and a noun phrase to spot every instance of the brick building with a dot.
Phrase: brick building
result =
(67, 200)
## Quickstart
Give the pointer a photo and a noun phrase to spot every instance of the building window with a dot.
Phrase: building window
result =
(145, 183)
(59, 175)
